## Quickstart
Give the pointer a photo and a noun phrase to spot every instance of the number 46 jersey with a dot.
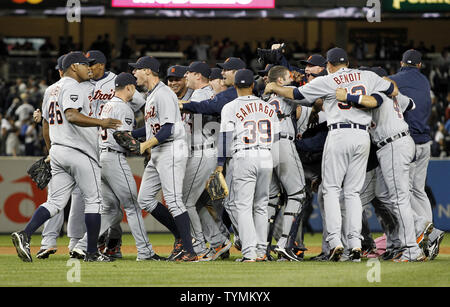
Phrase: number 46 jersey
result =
(254, 123)
(66, 94)
(357, 82)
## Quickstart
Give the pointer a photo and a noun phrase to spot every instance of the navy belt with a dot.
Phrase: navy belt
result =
(107, 149)
(251, 148)
(392, 138)
(202, 146)
(286, 136)
(342, 125)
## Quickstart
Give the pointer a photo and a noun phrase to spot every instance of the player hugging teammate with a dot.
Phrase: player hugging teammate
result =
(231, 154)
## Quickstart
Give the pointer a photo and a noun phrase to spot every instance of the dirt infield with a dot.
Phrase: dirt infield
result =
(162, 249)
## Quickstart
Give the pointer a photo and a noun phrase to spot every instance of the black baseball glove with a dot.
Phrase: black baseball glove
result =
(40, 172)
(127, 141)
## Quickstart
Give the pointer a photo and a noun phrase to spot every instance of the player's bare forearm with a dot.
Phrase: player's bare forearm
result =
(76, 118)
(283, 91)
(149, 144)
(361, 100)
(45, 132)
(317, 106)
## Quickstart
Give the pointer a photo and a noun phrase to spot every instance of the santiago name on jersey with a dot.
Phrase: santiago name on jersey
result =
(253, 121)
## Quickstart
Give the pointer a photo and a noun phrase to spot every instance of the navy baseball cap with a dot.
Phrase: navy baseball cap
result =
(124, 79)
(59, 65)
(412, 56)
(146, 62)
(232, 64)
(265, 71)
(216, 73)
(315, 60)
(200, 67)
(337, 55)
(97, 55)
(177, 71)
(75, 57)
(243, 77)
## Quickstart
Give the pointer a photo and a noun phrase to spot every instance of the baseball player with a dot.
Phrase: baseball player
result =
(288, 170)
(416, 86)
(347, 146)
(248, 128)
(117, 190)
(395, 153)
(52, 227)
(201, 139)
(166, 143)
(74, 159)
(214, 107)
(216, 80)
(176, 80)
(103, 83)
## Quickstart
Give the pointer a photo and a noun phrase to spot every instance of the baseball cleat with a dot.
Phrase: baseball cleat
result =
(422, 239)
(177, 251)
(43, 253)
(320, 257)
(421, 258)
(225, 255)
(114, 252)
(238, 245)
(207, 256)
(97, 257)
(188, 257)
(154, 257)
(433, 250)
(245, 260)
(336, 253)
(22, 244)
(77, 253)
(221, 249)
(355, 255)
(288, 253)
(262, 258)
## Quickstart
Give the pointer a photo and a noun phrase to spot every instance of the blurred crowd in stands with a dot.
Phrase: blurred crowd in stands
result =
(21, 96)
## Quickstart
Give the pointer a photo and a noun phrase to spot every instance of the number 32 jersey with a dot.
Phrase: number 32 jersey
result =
(253, 122)
(357, 82)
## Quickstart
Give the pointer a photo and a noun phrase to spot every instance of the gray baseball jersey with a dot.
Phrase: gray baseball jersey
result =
(104, 90)
(254, 125)
(388, 118)
(356, 82)
(118, 109)
(161, 108)
(66, 95)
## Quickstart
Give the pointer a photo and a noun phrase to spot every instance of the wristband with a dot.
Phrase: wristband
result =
(354, 98)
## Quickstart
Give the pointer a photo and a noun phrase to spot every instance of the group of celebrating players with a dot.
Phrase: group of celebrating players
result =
(354, 136)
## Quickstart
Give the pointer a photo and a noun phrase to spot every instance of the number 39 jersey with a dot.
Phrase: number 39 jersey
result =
(253, 122)
(357, 82)
(162, 107)
(66, 94)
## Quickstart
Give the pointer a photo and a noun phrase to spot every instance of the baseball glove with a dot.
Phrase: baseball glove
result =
(40, 172)
(127, 141)
(216, 186)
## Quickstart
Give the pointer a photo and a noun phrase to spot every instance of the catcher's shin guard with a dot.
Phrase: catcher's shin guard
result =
(293, 217)
(274, 207)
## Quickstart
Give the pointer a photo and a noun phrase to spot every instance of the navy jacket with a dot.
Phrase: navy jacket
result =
(415, 85)
(212, 106)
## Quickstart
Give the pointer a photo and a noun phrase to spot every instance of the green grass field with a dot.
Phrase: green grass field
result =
(227, 273)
